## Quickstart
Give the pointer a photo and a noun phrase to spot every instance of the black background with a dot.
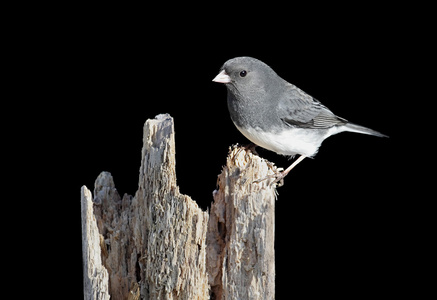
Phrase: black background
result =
(341, 226)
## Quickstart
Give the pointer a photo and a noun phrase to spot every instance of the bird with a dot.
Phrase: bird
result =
(277, 115)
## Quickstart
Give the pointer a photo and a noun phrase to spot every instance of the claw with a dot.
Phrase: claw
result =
(279, 176)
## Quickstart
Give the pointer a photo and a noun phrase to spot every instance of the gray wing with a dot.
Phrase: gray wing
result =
(296, 108)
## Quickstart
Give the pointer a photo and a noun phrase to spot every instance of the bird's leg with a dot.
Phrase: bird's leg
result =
(284, 173)
(280, 175)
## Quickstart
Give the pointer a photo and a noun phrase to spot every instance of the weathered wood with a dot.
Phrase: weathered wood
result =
(119, 255)
(95, 276)
(241, 230)
(152, 245)
(173, 242)
(155, 245)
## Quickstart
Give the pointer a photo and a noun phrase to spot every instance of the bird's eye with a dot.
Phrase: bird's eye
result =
(243, 73)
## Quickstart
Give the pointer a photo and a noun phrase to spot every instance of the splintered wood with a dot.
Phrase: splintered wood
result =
(241, 230)
(95, 275)
(160, 245)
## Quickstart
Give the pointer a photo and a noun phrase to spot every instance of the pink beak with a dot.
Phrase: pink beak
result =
(222, 77)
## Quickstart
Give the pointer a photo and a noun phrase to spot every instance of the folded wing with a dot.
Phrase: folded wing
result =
(296, 108)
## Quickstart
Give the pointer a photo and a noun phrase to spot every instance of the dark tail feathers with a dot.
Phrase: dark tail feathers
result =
(361, 129)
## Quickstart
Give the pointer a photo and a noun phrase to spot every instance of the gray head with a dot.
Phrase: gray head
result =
(253, 91)
(247, 75)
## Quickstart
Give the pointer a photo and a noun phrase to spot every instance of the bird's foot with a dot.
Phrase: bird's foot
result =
(278, 177)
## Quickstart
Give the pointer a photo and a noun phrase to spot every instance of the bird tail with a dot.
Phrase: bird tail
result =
(361, 129)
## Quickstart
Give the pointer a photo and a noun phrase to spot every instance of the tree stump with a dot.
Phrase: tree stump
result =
(160, 245)
(241, 230)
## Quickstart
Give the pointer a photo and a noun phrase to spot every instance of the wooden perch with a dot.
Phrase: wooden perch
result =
(241, 230)
(160, 245)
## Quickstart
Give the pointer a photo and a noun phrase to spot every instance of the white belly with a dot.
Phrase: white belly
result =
(291, 141)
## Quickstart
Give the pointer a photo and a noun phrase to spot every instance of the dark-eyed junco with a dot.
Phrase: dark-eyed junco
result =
(275, 114)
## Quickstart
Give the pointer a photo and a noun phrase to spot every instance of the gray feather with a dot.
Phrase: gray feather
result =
(296, 108)
(351, 127)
